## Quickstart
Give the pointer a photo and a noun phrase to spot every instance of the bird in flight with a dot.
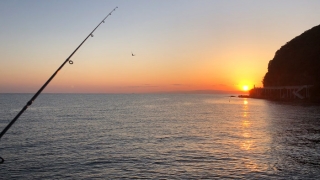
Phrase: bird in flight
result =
(132, 54)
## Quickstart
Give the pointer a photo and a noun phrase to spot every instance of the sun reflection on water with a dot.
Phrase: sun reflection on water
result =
(245, 101)
(245, 125)
(249, 144)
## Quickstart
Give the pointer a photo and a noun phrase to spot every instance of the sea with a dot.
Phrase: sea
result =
(158, 136)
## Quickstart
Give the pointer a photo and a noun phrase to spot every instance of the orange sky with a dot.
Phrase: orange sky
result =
(179, 45)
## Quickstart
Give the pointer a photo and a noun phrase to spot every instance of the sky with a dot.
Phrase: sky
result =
(179, 45)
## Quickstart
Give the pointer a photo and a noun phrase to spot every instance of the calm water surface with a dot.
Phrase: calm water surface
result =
(163, 136)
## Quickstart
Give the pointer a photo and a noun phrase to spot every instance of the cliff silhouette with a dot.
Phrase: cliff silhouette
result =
(297, 63)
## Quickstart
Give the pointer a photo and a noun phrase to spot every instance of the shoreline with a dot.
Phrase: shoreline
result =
(310, 101)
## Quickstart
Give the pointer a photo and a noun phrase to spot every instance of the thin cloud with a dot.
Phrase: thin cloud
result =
(143, 86)
(220, 85)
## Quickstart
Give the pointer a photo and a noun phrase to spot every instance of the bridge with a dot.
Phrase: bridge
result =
(281, 92)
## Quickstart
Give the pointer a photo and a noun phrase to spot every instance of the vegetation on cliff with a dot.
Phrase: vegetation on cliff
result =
(297, 62)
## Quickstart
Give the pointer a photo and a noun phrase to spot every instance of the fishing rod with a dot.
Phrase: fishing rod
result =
(48, 81)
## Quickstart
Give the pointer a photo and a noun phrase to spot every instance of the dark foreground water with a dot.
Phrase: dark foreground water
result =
(168, 136)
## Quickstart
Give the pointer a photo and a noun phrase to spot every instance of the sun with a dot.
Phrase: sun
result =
(245, 88)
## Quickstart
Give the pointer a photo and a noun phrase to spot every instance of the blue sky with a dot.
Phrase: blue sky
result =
(179, 45)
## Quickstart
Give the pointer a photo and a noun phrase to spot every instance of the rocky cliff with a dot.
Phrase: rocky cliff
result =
(297, 62)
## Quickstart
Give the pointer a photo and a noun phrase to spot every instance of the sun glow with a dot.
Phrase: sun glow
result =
(245, 88)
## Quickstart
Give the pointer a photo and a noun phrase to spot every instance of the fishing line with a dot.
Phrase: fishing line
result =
(68, 60)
